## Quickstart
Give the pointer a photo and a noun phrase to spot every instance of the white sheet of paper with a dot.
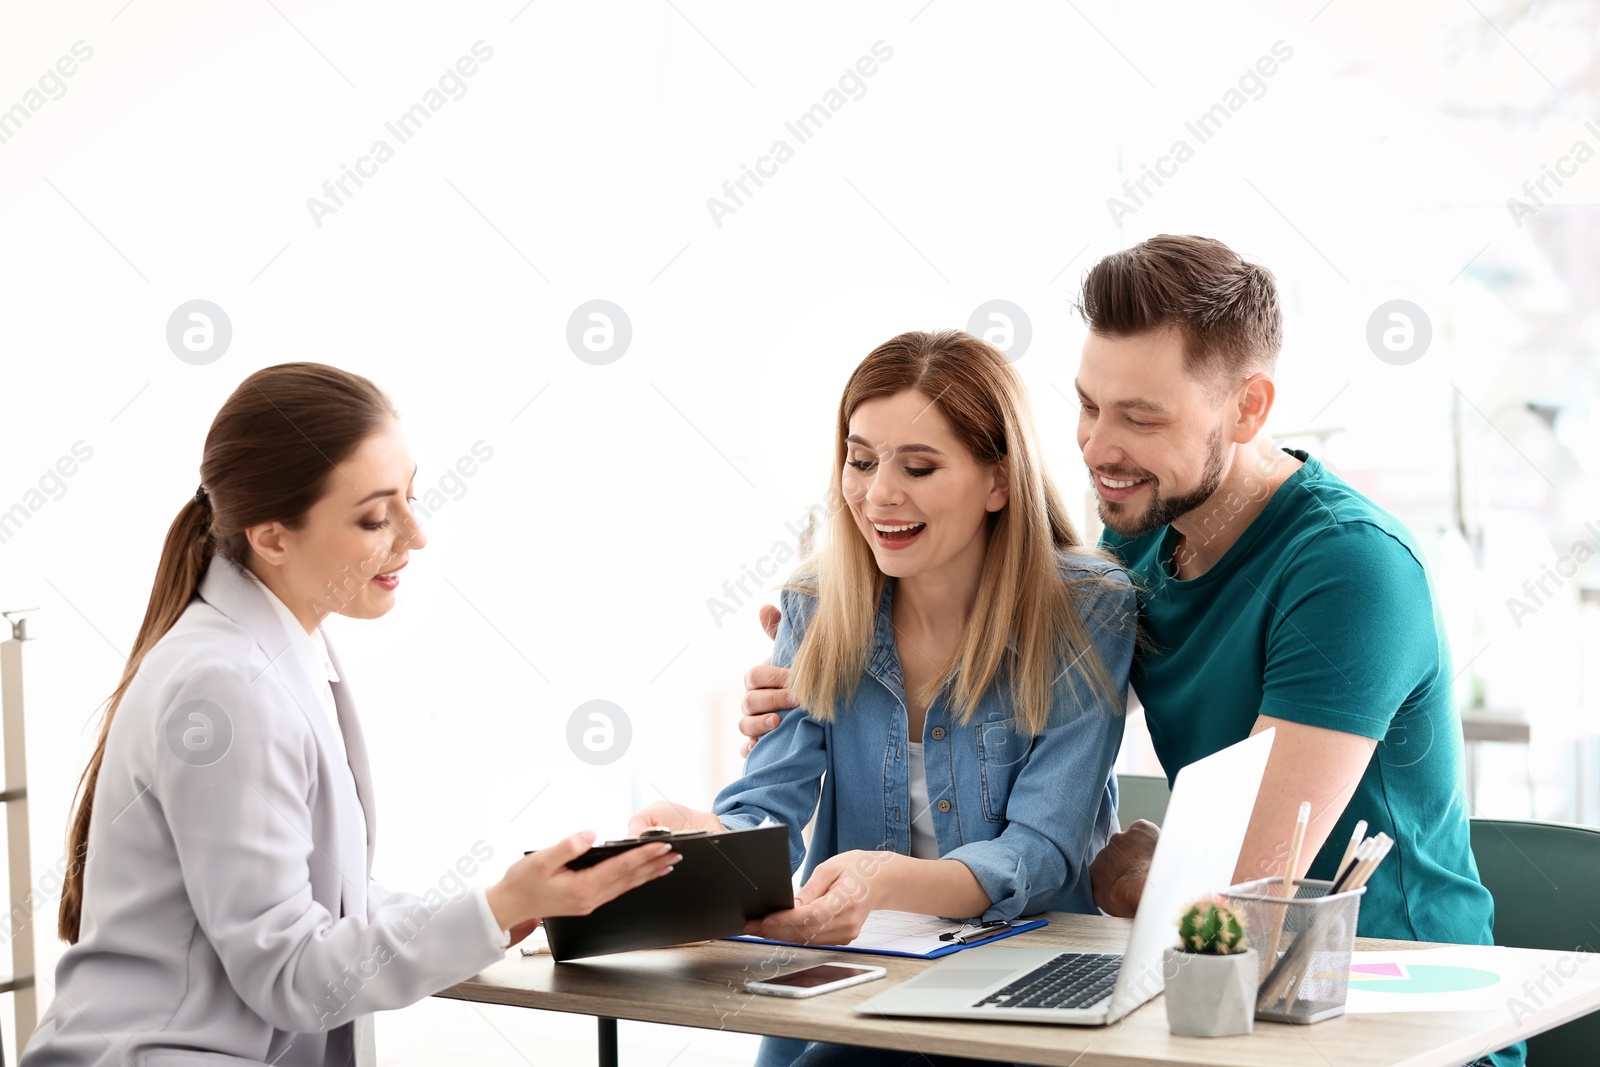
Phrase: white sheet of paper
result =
(1458, 978)
(903, 931)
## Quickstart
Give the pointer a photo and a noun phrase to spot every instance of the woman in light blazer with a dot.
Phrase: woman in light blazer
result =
(219, 898)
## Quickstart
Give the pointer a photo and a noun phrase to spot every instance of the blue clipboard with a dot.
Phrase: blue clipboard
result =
(945, 950)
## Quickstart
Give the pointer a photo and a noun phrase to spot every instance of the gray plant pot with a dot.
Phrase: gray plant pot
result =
(1211, 996)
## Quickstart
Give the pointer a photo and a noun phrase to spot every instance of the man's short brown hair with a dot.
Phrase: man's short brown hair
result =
(1225, 309)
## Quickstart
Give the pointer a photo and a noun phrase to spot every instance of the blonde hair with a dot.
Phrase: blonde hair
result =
(1021, 592)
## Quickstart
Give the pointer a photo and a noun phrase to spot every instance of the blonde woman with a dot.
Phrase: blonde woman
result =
(219, 901)
(959, 661)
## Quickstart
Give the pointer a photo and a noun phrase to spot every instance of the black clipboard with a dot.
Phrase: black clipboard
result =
(723, 880)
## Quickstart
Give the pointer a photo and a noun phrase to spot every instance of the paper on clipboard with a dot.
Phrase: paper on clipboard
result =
(904, 933)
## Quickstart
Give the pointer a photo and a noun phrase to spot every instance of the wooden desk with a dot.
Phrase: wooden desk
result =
(703, 986)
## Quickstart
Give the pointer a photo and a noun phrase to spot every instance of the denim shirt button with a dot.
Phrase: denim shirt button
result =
(944, 805)
(938, 733)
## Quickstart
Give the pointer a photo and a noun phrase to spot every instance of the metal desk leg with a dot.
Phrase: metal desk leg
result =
(608, 1041)
(1472, 778)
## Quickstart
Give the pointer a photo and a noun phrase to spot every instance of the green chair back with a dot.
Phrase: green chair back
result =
(1543, 878)
(1141, 796)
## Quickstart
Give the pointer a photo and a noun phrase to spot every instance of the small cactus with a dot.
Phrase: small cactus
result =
(1212, 928)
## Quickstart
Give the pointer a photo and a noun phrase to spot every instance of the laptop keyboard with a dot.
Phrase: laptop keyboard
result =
(1070, 980)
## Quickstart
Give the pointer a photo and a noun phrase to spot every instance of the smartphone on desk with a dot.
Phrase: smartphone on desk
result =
(814, 981)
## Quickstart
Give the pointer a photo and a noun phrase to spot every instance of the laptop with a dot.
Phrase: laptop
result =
(1212, 800)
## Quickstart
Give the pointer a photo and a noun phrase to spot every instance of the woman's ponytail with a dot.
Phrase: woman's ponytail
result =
(184, 558)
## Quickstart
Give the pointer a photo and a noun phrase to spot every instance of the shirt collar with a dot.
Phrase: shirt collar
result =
(313, 648)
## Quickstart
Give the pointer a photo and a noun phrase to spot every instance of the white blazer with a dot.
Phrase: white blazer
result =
(229, 916)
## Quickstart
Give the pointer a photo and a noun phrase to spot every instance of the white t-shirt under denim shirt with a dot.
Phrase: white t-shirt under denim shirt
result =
(312, 650)
(924, 843)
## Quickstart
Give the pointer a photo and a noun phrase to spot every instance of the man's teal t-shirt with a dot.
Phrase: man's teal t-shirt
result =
(1321, 613)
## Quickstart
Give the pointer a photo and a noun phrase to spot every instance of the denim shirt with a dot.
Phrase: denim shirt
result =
(1025, 814)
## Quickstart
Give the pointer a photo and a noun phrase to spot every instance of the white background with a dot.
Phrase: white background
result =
(578, 562)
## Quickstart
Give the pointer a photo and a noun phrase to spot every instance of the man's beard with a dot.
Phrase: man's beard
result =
(1162, 511)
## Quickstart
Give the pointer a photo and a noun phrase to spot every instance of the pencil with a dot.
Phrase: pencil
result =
(1363, 851)
(1382, 843)
(1285, 973)
(1380, 846)
(1356, 837)
(1295, 844)
(1287, 889)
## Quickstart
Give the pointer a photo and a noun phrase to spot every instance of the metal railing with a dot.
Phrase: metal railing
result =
(19, 864)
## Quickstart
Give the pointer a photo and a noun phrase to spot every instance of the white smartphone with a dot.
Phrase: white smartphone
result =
(813, 981)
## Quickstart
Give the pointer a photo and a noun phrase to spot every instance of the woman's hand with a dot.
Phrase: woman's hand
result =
(674, 817)
(520, 932)
(832, 906)
(541, 884)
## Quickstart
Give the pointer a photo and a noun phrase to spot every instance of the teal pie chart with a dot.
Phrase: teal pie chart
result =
(1426, 978)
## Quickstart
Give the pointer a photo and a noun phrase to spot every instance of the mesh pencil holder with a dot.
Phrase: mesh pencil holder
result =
(1307, 978)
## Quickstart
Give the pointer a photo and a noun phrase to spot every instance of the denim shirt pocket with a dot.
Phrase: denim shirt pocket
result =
(1001, 754)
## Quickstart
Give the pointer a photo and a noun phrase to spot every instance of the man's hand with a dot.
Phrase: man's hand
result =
(831, 907)
(674, 817)
(765, 694)
(1117, 874)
